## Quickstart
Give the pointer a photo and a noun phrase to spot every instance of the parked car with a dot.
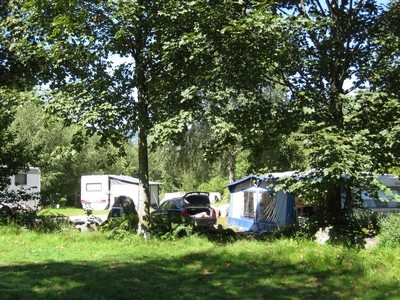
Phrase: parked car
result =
(193, 208)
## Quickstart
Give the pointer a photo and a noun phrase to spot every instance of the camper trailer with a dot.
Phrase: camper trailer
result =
(385, 203)
(100, 191)
(255, 206)
(25, 182)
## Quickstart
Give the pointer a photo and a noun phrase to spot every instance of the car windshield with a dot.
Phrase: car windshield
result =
(196, 199)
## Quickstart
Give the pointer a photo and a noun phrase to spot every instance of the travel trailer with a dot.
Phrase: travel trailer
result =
(100, 191)
(384, 203)
(255, 206)
(24, 182)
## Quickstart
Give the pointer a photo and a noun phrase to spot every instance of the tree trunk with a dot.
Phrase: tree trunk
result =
(144, 189)
(333, 204)
(231, 166)
(143, 124)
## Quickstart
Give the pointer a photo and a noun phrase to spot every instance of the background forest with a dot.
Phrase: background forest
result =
(179, 168)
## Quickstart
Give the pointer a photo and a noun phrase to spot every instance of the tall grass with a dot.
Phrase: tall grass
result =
(73, 265)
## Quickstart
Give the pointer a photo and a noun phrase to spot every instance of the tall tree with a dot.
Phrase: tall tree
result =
(82, 40)
(232, 83)
(321, 51)
(13, 154)
(17, 74)
(333, 54)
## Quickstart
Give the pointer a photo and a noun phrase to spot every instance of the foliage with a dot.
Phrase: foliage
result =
(14, 212)
(222, 79)
(390, 231)
(51, 223)
(18, 69)
(385, 76)
(61, 165)
(121, 228)
(18, 63)
(18, 216)
(359, 225)
(88, 209)
(335, 43)
(13, 157)
(63, 202)
(170, 226)
(215, 184)
(238, 105)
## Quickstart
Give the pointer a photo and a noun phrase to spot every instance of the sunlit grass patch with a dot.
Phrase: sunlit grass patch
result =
(73, 265)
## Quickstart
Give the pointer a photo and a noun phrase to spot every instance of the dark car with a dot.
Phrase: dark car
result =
(193, 208)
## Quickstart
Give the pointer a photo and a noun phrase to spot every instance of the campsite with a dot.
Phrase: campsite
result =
(200, 149)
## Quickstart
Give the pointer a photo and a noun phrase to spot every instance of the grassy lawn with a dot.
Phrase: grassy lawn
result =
(69, 211)
(73, 265)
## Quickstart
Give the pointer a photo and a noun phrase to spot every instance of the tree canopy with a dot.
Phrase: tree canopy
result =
(17, 74)
(318, 77)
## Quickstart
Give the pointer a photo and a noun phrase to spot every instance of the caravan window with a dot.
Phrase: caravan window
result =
(93, 187)
(267, 207)
(248, 207)
(21, 179)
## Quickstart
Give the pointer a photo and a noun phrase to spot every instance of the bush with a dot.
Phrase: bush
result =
(51, 223)
(390, 231)
(351, 231)
(17, 215)
(63, 202)
(170, 227)
(121, 228)
(28, 219)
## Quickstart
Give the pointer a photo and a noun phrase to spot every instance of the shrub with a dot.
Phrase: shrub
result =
(63, 202)
(121, 228)
(390, 231)
(14, 212)
(51, 223)
(170, 227)
(14, 208)
(20, 217)
(351, 231)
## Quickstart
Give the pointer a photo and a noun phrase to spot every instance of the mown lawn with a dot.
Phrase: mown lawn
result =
(73, 265)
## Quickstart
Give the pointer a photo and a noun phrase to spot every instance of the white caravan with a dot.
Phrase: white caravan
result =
(29, 182)
(385, 203)
(100, 191)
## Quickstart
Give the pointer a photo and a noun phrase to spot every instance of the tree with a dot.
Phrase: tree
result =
(233, 87)
(321, 51)
(387, 37)
(13, 156)
(61, 165)
(17, 73)
(80, 40)
(334, 44)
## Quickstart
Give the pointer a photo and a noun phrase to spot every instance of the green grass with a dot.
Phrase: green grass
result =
(72, 265)
(69, 211)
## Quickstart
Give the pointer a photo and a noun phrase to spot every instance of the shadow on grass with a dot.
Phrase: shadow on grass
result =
(193, 276)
